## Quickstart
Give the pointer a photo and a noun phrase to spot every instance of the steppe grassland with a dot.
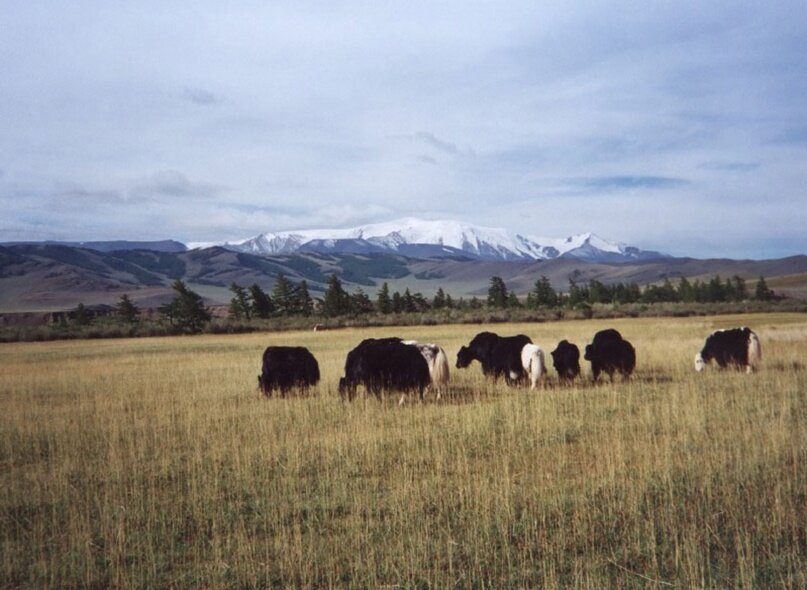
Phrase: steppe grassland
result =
(154, 463)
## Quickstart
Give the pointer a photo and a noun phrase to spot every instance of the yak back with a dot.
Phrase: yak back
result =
(385, 364)
(286, 367)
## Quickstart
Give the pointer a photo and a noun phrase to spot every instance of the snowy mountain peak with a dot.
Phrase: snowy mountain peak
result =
(440, 238)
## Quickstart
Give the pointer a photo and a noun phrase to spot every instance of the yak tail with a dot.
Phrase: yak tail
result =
(754, 353)
(534, 364)
(439, 367)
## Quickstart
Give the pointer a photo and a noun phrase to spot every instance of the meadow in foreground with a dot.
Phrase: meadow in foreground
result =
(154, 463)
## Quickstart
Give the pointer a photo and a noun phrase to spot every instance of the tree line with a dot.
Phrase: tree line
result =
(187, 313)
(290, 299)
(715, 290)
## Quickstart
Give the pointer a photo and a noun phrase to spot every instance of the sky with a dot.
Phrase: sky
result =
(673, 126)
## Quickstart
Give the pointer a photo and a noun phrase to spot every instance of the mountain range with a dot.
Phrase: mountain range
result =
(420, 238)
(408, 253)
(49, 277)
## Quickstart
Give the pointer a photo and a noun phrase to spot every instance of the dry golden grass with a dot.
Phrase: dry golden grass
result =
(154, 463)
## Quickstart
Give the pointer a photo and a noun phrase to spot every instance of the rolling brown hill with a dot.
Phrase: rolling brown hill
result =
(46, 277)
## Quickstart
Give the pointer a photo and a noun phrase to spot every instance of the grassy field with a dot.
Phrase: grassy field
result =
(153, 463)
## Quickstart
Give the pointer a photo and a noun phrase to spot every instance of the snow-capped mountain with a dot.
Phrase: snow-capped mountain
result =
(419, 238)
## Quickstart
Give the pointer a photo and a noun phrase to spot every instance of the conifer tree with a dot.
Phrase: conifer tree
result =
(283, 295)
(408, 302)
(543, 295)
(397, 303)
(686, 292)
(82, 316)
(576, 295)
(126, 310)
(497, 293)
(186, 311)
(261, 304)
(304, 304)
(359, 303)
(740, 289)
(239, 304)
(383, 301)
(439, 301)
(336, 301)
(762, 292)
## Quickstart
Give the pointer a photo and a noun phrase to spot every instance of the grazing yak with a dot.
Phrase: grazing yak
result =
(285, 368)
(385, 364)
(481, 349)
(504, 357)
(737, 347)
(610, 353)
(533, 363)
(566, 360)
(436, 358)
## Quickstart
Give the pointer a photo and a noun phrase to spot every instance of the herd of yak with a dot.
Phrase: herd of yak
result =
(406, 366)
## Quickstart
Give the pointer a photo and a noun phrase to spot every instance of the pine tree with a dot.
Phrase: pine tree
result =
(82, 316)
(397, 303)
(762, 292)
(408, 302)
(383, 301)
(261, 304)
(740, 289)
(336, 301)
(543, 295)
(598, 292)
(304, 304)
(126, 310)
(186, 311)
(686, 292)
(419, 302)
(716, 292)
(359, 303)
(439, 301)
(576, 295)
(239, 304)
(497, 293)
(283, 295)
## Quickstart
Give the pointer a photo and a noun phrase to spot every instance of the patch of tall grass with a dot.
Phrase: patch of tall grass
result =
(154, 463)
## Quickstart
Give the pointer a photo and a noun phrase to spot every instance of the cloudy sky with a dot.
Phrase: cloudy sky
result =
(676, 126)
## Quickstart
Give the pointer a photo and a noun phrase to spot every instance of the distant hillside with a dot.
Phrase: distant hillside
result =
(112, 245)
(46, 277)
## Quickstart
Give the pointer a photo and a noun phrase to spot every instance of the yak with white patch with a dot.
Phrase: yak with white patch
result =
(385, 364)
(609, 353)
(738, 348)
(285, 368)
(566, 360)
(437, 359)
(533, 363)
(500, 356)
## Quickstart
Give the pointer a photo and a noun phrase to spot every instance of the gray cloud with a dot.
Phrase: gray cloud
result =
(610, 183)
(731, 166)
(437, 143)
(424, 159)
(170, 184)
(200, 97)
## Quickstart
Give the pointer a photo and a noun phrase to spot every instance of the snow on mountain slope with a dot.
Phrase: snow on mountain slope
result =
(447, 237)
